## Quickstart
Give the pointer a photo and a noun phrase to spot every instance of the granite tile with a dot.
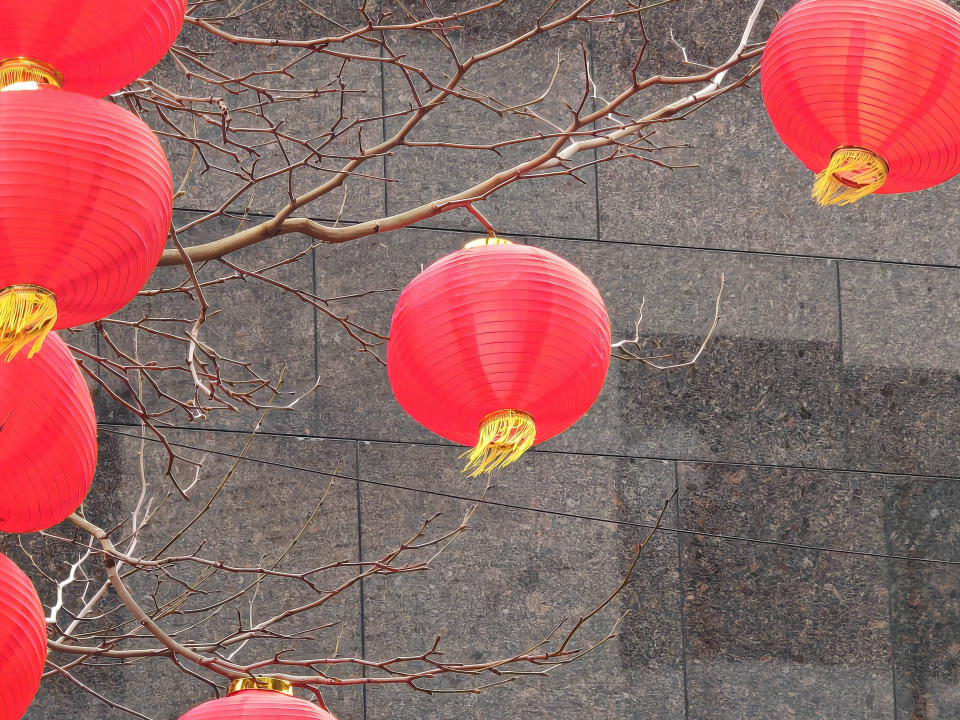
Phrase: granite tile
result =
(784, 632)
(517, 574)
(559, 206)
(900, 360)
(925, 631)
(900, 316)
(841, 510)
(310, 118)
(925, 597)
(248, 320)
(257, 514)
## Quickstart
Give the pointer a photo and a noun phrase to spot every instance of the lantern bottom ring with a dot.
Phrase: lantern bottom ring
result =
(853, 173)
(27, 315)
(505, 435)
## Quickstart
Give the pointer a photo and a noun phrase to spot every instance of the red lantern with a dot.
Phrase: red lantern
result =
(866, 93)
(500, 347)
(258, 699)
(85, 207)
(97, 45)
(23, 641)
(48, 439)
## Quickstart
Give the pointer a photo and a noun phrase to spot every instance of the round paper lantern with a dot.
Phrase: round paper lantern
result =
(258, 699)
(23, 641)
(866, 93)
(96, 46)
(85, 207)
(48, 439)
(499, 347)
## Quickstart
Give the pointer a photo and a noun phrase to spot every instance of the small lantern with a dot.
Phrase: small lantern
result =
(499, 347)
(866, 93)
(86, 201)
(94, 46)
(48, 439)
(23, 641)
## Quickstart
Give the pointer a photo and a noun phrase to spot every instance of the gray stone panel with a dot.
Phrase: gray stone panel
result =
(306, 119)
(557, 206)
(249, 321)
(516, 574)
(783, 632)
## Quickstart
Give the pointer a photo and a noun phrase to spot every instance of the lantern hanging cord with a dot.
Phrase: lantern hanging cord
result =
(27, 315)
(504, 436)
(853, 173)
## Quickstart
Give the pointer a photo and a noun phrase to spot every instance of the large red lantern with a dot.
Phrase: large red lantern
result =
(85, 207)
(23, 641)
(866, 93)
(258, 699)
(96, 46)
(499, 347)
(48, 439)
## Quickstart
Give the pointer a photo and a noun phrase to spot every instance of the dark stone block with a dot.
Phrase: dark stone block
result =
(308, 119)
(925, 597)
(840, 510)
(784, 632)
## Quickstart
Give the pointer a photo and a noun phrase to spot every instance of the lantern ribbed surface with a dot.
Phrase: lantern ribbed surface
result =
(23, 641)
(48, 444)
(97, 45)
(258, 705)
(876, 75)
(85, 201)
(495, 328)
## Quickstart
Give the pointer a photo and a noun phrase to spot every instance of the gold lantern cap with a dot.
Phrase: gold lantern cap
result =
(484, 241)
(260, 683)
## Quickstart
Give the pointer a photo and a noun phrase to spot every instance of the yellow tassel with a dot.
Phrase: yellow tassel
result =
(853, 173)
(504, 436)
(27, 315)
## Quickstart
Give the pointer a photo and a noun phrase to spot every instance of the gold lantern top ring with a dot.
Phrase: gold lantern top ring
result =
(484, 241)
(15, 70)
(260, 683)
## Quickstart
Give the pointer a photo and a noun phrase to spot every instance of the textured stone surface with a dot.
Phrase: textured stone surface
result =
(516, 574)
(250, 321)
(766, 390)
(843, 511)
(558, 206)
(925, 598)
(901, 316)
(781, 632)
(305, 119)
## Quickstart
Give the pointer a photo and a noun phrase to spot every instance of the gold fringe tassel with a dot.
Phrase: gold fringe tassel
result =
(27, 315)
(504, 436)
(853, 173)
